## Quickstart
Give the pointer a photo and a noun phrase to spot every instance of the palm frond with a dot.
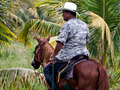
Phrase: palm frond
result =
(51, 6)
(98, 22)
(5, 34)
(42, 27)
(12, 78)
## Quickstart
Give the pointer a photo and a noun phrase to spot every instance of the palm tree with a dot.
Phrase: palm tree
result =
(105, 16)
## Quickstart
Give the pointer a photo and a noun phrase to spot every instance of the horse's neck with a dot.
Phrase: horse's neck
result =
(48, 50)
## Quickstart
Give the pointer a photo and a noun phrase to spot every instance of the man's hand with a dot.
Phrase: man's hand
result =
(51, 61)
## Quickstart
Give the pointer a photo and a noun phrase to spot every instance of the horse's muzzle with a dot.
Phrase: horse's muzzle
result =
(32, 64)
(35, 64)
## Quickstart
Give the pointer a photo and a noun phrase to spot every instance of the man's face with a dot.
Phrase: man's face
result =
(65, 15)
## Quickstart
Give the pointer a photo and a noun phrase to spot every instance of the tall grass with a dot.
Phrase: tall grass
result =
(17, 55)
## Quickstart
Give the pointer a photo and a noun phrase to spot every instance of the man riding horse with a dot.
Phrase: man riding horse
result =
(71, 41)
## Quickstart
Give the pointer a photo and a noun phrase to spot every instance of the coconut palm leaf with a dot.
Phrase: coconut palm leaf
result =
(97, 22)
(41, 27)
(51, 13)
(5, 33)
(12, 78)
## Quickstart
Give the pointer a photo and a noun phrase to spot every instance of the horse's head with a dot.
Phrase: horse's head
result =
(39, 51)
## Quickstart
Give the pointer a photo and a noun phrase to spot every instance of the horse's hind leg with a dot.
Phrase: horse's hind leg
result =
(88, 82)
(87, 76)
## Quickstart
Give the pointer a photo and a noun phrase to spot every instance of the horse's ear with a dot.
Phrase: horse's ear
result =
(48, 38)
(38, 39)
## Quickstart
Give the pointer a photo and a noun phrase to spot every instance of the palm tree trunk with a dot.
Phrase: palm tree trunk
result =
(104, 40)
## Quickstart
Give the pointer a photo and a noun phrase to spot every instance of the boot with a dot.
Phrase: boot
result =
(49, 81)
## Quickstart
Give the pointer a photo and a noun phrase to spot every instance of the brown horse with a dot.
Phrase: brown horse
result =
(87, 75)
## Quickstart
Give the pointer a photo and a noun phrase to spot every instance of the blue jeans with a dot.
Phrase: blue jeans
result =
(48, 69)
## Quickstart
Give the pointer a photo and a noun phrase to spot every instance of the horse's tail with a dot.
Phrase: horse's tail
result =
(103, 78)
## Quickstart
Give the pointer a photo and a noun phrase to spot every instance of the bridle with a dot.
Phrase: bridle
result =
(41, 59)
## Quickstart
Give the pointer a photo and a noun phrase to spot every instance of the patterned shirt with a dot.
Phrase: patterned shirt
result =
(74, 35)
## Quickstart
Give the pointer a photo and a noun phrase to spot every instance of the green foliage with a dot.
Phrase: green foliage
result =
(26, 18)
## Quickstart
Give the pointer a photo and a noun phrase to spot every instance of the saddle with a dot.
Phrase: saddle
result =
(66, 70)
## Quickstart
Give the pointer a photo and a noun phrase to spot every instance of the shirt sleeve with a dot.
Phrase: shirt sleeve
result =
(64, 32)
